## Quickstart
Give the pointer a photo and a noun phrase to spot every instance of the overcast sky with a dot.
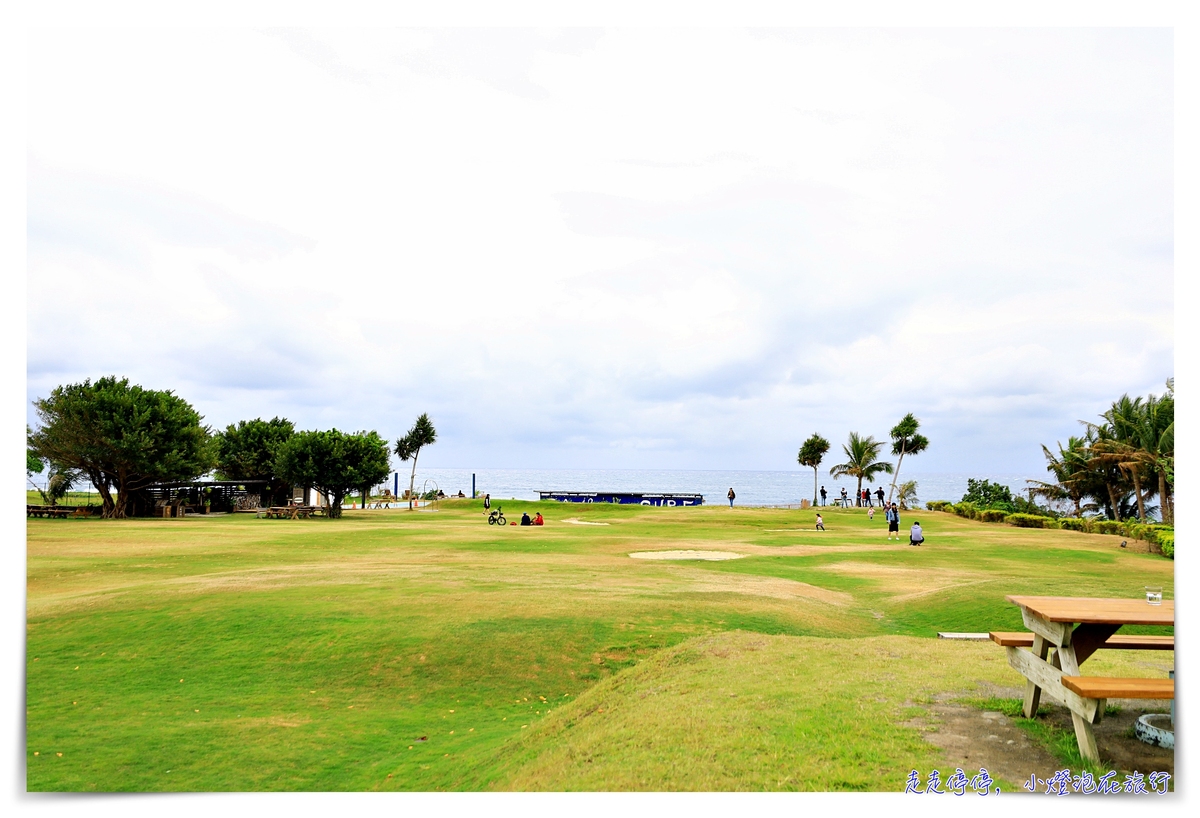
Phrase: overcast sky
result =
(611, 248)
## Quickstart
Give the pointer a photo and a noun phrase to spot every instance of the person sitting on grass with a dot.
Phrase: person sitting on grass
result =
(820, 523)
(525, 518)
(538, 519)
(915, 535)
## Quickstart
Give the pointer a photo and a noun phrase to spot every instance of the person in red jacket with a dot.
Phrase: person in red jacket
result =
(538, 519)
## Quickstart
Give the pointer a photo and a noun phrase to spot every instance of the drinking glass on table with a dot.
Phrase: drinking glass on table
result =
(1153, 594)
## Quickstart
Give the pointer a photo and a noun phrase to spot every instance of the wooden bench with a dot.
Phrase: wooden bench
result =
(1118, 641)
(1108, 687)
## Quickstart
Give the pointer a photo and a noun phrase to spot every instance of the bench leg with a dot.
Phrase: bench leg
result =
(1033, 693)
(1086, 738)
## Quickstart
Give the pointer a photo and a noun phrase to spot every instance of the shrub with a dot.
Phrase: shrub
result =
(1076, 524)
(1028, 520)
(992, 515)
(966, 509)
(1107, 527)
(986, 494)
(1166, 541)
(940, 505)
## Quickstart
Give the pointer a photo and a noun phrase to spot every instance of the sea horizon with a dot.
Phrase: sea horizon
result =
(753, 487)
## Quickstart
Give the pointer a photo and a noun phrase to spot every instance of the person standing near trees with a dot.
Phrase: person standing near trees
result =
(822, 495)
(893, 518)
(731, 496)
(879, 495)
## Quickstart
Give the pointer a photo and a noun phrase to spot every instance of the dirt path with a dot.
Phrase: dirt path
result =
(973, 738)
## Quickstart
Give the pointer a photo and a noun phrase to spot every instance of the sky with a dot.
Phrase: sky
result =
(670, 248)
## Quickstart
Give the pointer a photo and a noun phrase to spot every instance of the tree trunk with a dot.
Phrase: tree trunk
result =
(1115, 506)
(412, 479)
(1137, 492)
(858, 494)
(1164, 502)
(814, 486)
(334, 509)
(895, 476)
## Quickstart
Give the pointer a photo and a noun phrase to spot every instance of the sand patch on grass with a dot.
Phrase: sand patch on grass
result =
(772, 587)
(911, 583)
(577, 521)
(686, 555)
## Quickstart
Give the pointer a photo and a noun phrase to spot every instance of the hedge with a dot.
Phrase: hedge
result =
(1154, 533)
(1030, 521)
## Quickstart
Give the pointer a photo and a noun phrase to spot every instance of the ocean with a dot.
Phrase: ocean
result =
(753, 488)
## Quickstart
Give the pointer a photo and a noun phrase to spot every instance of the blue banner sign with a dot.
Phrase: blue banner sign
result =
(624, 498)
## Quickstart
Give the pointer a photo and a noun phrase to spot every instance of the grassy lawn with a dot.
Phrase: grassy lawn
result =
(394, 650)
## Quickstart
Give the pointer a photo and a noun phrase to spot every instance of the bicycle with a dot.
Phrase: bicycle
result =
(497, 517)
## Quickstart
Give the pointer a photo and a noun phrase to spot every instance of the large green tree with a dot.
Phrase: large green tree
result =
(334, 462)
(409, 447)
(862, 461)
(812, 452)
(906, 440)
(249, 451)
(123, 437)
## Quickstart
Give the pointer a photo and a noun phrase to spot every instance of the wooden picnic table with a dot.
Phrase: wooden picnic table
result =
(50, 511)
(1076, 627)
(287, 512)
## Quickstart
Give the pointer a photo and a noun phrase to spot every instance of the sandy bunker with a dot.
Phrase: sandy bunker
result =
(685, 555)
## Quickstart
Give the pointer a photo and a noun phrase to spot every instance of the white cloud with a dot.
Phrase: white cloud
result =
(656, 248)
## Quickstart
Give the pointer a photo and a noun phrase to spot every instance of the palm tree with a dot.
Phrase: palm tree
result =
(409, 447)
(1130, 443)
(908, 494)
(862, 461)
(906, 440)
(1073, 477)
(811, 454)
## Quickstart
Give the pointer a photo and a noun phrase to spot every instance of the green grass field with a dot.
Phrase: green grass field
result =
(396, 650)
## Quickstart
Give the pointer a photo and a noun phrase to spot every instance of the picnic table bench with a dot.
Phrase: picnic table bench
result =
(287, 512)
(1076, 628)
(60, 512)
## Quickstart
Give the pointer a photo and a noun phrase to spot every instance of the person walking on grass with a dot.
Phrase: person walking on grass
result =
(915, 535)
(487, 503)
(731, 495)
(871, 513)
(893, 518)
(820, 523)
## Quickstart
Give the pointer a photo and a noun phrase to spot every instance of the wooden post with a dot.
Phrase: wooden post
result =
(1033, 693)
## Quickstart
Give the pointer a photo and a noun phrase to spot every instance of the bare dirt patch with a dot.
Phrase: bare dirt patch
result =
(577, 521)
(686, 555)
(972, 739)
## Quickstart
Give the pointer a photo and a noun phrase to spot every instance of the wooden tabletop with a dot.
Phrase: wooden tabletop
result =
(1098, 611)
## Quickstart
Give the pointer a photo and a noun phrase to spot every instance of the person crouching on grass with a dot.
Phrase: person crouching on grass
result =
(915, 535)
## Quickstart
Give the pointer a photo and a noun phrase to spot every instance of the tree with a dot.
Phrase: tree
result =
(812, 452)
(906, 440)
(334, 463)
(33, 463)
(59, 481)
(907, 495)
(249, 450)
(409, 448)
(986, 494)
(122, 437)
(862, 461)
